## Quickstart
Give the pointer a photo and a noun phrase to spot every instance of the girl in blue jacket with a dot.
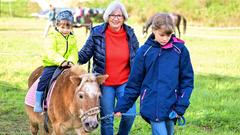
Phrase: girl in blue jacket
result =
(162, 75)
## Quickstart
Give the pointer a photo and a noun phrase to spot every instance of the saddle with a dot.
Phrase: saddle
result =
(30, 97)
(57, 72)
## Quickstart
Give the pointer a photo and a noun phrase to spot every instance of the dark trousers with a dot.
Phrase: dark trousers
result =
(45, 78)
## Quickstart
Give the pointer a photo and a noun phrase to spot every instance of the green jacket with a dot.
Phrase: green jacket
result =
(58, 49)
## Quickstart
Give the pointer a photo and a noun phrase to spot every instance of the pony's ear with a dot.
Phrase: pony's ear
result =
(75, 80)
(101, 78)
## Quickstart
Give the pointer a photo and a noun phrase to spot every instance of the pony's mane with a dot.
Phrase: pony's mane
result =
(77, 69)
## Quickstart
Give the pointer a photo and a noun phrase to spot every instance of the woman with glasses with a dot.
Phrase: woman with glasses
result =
(113, 46)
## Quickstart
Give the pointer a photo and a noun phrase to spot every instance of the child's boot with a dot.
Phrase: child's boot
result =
(38, 103)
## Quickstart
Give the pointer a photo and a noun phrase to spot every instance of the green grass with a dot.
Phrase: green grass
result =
(16, 8)
(202, 12)
(215, 56)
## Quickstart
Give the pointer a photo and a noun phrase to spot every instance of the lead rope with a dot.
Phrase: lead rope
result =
(112, 115)
(89, 62)
(181, 121)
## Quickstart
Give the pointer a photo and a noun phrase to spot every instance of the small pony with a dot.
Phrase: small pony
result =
(176, 21)
(74, 102)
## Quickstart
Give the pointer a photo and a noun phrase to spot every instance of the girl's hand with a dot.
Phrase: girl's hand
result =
(70, 64)
(66, 64)
(177, 116)
(118, 114)
(174, 115)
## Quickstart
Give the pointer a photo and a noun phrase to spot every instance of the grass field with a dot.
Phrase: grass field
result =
(215, 56)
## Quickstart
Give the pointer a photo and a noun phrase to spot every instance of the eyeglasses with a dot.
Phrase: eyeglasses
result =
(116, 16)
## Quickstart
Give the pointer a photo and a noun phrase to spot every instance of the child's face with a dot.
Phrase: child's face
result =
(64, 27)
(161, 37)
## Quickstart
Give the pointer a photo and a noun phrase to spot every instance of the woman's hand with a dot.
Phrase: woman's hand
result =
(178, 116)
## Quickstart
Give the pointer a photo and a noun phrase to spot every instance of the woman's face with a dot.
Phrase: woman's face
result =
(116, 19)
(161, 37)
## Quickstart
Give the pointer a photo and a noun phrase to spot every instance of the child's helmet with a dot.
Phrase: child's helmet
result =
(65, 15)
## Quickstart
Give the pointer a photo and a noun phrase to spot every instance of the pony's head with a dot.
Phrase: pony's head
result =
(86, 99)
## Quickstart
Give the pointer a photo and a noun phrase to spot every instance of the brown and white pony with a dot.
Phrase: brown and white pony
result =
(74, 102)
(176, 18)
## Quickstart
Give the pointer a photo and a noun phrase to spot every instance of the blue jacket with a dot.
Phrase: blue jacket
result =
(163, 77)
(96, 46)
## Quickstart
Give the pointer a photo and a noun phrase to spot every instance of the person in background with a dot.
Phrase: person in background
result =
(113, 46)
(60, 50)
(78, 16)
(162, 75)
(51, 20)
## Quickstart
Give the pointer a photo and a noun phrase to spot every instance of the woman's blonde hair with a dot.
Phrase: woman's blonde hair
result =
(163, 21)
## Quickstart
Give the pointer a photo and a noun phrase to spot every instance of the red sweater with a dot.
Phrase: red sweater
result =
(117, 57)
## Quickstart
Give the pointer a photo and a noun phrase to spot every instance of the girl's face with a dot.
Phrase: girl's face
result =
(161, 37)
(64, 27)
(116, 19)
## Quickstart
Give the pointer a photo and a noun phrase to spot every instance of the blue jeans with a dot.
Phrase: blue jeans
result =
(46, 77)
(107, 103)
(163, 127)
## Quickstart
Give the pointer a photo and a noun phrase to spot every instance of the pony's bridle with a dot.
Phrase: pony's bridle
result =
(91, 112)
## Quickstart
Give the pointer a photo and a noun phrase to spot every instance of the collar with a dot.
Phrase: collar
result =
(170, 43)
(173, 40)
(101, 29)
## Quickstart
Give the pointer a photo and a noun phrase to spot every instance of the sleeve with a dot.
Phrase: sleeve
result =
(186, 82)
(133, 87)
(51, 56)
(74, 53)
(85, 54)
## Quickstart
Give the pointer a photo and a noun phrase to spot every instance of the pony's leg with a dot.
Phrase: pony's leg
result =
(34, 128)
(58, 129)
(80, 131)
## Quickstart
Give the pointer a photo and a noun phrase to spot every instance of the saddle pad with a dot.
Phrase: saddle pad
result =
(31, 95)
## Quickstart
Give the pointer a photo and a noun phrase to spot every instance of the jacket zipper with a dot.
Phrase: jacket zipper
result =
(157, 110)
(66, 46)
(157, 106)
(130, 48)
(160, 52)
(104, 42)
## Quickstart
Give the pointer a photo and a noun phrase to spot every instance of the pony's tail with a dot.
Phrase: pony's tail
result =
(46, 122)
(184, 24)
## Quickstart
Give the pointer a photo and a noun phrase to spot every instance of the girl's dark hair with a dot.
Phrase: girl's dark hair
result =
(163, 21)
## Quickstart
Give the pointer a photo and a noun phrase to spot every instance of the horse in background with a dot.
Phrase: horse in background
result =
(74, 102)
(87, 23)
(83, 17)
(177, 18)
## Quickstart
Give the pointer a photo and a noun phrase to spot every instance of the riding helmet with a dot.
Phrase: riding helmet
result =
(65, 15)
